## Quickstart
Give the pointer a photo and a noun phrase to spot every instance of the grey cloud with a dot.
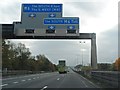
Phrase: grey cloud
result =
(91, 8)
(11, 12)
(108, 45)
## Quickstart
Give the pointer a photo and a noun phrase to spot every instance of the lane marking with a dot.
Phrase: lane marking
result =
(34, 78)
(82, 80)
(15, 82)
(4, 85)
(23, 80)
(58, 78)
(41, 74)
(20, 77)
(44, 87)
(89, 82)
(37, 77)
(84, 84)
(29, 79)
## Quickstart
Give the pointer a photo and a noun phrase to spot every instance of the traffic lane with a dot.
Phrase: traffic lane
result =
(88, 83)
(60, 80)
(74, 80)
(9, 80)
(69, 80)
(29, 75)
(22, 81)
(52, 82)
(85, 81)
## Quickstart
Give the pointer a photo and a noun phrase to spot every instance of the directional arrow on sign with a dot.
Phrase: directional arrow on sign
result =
(51, 27)
(71, 27)
(32, 15)
(52, 15)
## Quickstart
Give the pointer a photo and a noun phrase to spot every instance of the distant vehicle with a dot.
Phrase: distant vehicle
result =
(62, 67)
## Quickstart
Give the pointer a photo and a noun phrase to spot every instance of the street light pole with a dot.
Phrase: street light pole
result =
(82, 52)
(82, 57)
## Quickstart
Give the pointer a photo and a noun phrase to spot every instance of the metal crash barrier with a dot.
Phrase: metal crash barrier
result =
(111, 78)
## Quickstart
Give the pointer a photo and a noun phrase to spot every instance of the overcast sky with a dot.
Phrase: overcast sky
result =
(98, 16)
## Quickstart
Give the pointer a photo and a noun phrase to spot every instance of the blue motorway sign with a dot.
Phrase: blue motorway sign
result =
(61, 21)
(42, 7)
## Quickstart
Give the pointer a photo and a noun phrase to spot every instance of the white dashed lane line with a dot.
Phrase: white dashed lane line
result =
(23, 80)
(29, 79)
(4, 85)
(15, 82)
(58, 78)
(20, 77)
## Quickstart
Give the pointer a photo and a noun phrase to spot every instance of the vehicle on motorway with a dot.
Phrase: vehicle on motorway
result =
(62, 68)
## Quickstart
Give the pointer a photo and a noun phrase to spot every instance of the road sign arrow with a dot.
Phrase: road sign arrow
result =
(51, 27)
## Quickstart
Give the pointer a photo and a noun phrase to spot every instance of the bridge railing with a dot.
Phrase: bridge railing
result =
(111, 78)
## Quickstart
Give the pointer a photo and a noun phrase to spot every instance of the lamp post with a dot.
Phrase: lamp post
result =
(82, 51)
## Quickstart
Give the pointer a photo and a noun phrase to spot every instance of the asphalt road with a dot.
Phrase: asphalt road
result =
(48, 80)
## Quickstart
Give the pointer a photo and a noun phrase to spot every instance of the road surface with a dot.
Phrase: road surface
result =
(48, 80)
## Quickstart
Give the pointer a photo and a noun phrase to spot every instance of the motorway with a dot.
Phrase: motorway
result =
(48, 80)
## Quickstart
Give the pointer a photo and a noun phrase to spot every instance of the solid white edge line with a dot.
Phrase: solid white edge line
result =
(44, 87)
(89, 81)
(84, 84)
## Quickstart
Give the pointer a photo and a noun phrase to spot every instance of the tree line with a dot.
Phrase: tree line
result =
(115, 66)
(18, 57)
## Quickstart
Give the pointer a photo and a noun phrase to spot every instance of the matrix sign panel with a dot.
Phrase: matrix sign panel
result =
(61, 21)
(42, 7)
